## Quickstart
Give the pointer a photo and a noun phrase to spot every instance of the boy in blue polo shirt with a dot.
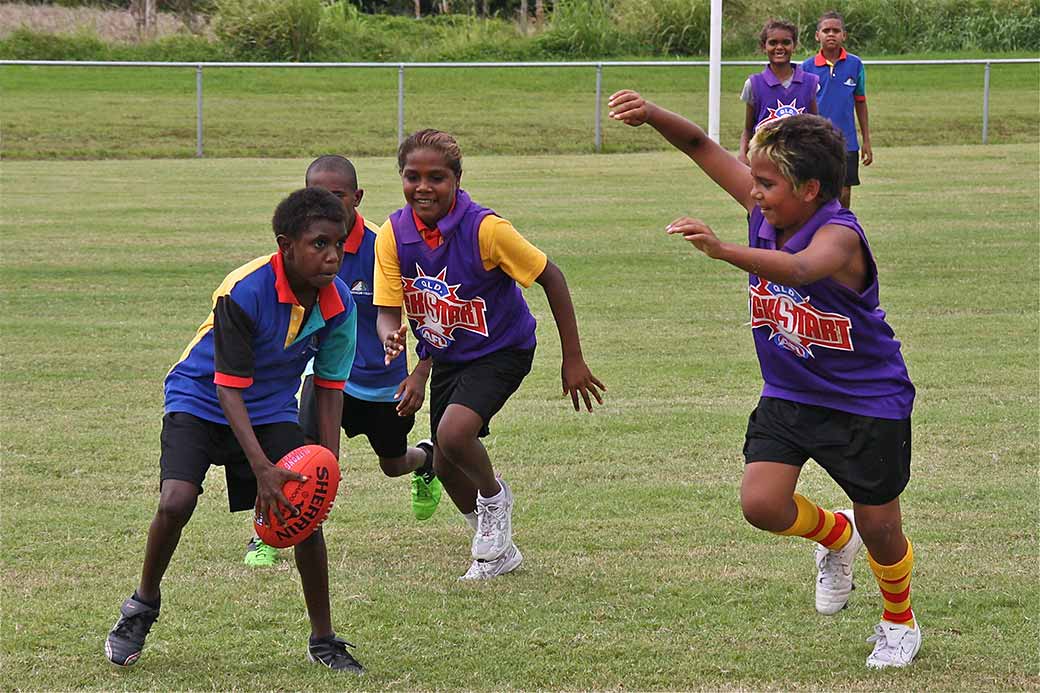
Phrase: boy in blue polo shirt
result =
(379, 401)
(842, 92)
(231, 401)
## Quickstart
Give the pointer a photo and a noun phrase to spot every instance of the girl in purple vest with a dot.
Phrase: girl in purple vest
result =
(836, 388)
(455, 266)
(782, 89)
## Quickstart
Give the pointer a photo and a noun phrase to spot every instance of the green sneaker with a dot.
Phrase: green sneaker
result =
(426, 487)
(260, 555)
(426, 495)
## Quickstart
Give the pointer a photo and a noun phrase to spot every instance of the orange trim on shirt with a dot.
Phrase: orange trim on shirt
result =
(860, 98)
(329, 384)
(820, 61)
(355, 235)
(329, 301)
(232, 381)
(432, 236)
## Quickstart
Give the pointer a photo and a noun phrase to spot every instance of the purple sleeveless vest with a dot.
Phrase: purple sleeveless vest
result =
(774, 101)
(824, 343)
(458, 310)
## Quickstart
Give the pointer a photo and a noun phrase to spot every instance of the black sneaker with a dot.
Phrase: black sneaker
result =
(332, 652)
(126, 639)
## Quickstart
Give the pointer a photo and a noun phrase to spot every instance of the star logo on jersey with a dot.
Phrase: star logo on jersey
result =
(794, 323)
(782, 110)
(438, 311)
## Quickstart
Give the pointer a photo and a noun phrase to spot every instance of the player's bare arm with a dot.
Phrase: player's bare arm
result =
(330, 415)
(722, 167)
(411, 393)
(746, 134)
(834, 252)
(574, 373)
(391, 332)
(866, 152)
(269, 478)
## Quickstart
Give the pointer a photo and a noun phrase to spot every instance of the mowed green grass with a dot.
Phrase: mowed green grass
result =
(640, 572)
(99, 113)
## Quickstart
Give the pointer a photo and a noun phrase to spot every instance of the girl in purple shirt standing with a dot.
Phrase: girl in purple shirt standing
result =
(836, 388)
(780, 90)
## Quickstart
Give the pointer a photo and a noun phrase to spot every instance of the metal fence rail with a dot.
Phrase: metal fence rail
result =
(598, 66)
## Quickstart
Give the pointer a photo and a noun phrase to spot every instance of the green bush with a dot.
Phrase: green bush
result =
(666, 27)
(23, 44)
(583, 29)
(270, 29)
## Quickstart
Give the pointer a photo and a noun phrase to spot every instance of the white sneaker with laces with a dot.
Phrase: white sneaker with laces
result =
(494, 526)
(894, 645)
(834, 571)
(485, 570)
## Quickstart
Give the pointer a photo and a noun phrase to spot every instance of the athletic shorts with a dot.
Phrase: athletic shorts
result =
(868, 457)
(851, 168)
(387, 432)
(190, 445)
(482, 385)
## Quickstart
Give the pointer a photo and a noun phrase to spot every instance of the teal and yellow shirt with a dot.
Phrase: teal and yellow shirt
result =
(256, 339)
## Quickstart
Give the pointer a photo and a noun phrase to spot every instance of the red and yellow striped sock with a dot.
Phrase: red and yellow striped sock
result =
(833, 530)
(894, 581)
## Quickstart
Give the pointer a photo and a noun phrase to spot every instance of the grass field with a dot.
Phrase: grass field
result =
(92, 113)
(640, 572)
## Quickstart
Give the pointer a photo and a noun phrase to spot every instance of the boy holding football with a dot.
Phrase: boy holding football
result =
(231, 401)
(379, 401)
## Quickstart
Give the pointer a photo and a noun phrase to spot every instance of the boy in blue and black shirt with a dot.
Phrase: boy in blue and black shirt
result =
(379, 401)
(231, 401)
(842, 95)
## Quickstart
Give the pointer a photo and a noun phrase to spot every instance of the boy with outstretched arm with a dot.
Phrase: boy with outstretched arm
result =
(836, 387)
(231, 401)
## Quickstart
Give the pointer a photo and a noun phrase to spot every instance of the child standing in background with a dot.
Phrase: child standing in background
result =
(842, 95)
(781, 89)
(455, 265)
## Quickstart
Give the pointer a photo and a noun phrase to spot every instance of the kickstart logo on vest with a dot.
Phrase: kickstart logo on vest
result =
(438, 311)
(794, 323)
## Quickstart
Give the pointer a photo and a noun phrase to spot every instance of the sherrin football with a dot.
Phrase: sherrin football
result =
(312, 497)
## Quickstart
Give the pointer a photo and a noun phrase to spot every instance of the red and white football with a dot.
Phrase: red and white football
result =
(313, 498)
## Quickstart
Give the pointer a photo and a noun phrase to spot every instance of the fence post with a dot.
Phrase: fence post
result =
(400, 104)
(198, 111)
(599, 107)
(985, 106)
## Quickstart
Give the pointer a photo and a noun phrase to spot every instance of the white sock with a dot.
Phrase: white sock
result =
(471, 519)
(500, 496)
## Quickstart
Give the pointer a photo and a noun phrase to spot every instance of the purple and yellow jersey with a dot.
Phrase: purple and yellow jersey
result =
(843, 83)
(462, 297)
(255, 339)
(823, 343)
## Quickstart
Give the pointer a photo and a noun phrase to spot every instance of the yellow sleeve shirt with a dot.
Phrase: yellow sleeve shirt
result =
(501, 245)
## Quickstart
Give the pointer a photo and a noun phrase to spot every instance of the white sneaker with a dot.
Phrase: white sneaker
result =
(894, 645)
(834, 571)
(494, 526)
(485, 570)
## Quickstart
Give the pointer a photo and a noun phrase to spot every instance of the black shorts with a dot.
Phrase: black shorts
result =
(190, 445)
(387, 432)
(482, 385)
(868, 457)
(851, 168)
